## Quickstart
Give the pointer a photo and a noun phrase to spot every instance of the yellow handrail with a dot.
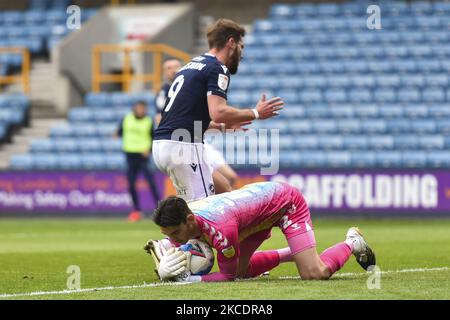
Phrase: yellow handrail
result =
(24, 76)
(127, 76)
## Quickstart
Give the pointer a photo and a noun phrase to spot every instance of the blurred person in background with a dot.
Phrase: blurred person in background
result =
(136, 130)
(224, 177)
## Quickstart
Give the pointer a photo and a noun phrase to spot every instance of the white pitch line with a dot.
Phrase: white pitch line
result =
(45, 293)
(161, 284)
(353, 274)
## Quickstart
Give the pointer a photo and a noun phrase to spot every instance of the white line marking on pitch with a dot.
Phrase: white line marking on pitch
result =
(352, 274)
(161, 284)
(44, 293)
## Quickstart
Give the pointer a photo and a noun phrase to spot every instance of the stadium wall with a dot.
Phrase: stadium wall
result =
(331, 192)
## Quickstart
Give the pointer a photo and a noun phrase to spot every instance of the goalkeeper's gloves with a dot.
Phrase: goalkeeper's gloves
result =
(172, 264)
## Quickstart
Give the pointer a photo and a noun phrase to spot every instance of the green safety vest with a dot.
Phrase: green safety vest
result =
(136, 134)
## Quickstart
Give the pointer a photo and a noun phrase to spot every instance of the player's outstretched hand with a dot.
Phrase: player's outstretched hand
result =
(172, 264)
(269, 108)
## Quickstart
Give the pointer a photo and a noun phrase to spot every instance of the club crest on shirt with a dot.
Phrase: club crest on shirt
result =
(222, 82)
(229, 252)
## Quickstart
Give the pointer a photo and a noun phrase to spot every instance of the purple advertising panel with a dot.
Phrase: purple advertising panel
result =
(374, 191)
(81, 191)
(328, 190)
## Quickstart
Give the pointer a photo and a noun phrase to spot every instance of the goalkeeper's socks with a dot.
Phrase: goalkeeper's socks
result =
(262, 261)
(336, 256)
(285, 255)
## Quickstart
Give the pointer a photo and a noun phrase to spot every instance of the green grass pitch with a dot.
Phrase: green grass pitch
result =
(35, 255)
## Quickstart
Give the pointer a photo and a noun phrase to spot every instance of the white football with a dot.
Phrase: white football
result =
(202, 256)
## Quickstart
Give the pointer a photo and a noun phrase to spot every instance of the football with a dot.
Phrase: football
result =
(202, 256)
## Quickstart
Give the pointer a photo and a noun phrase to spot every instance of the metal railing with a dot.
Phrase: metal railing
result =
(24, 76)
(127, 76)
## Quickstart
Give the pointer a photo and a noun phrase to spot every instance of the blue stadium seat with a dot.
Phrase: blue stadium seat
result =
(324, 126)
(93, 161)
(412, 80)
(310, 96)
(89, 145)
(349, 125)
(351, 142)
(290, 159)
(105, 115)
(381, 142)
(34, 17)
(294, 112)
(282, 11)
(317, 111)
(62, 145)
(21, 162)
(81, 115)
(390, 111)
(428, 65)
(431, 141)
(421, 51)
(423, 126)
(338, 159)
(388, 158)
(115, 161)
(12, 18)
(408, 95)
(416, 111)
(84, 130)
(316, 81)
(44, 161)
(374, 126)
(438, 159)
(441, 7)
(286, 142)
(106, 129)
(335, 95)
(306, 142)
(305, 10)
(41, 145)
(313, 158)
(339, 81)
(439, 110)
(385, 95)
(366, 111)
(69, 161)
(396, 8)
(398, 125)
(437, 79)
(443, 126)
(363, 159)
(61, 131)
(330, 141)
(387, 80)
(111, 145)
(360, 95)
(433, 95)
(406, 141)
(416, 158)
(300, 126)
(97, 99)
(341, 111)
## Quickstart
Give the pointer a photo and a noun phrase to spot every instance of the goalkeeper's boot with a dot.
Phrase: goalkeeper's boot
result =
(157, 250)
(361, 250)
